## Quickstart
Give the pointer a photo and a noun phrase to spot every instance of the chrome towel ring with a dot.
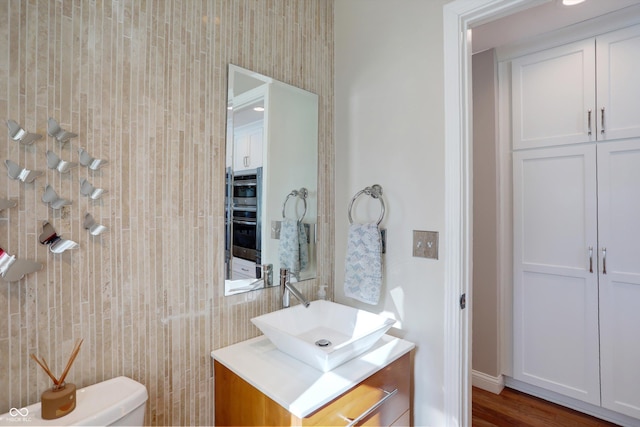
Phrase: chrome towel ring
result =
(374, 191)
(302, 194)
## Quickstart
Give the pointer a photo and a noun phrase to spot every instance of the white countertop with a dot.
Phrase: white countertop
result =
(296, 386)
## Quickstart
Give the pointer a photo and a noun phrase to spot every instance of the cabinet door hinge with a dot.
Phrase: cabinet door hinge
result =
(463, 301)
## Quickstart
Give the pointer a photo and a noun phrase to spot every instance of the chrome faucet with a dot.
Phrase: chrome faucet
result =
(288, 288)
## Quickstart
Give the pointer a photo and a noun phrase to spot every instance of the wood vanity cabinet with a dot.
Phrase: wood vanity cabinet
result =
(239, 403)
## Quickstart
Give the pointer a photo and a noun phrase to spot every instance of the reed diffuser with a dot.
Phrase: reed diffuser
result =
(60, 399)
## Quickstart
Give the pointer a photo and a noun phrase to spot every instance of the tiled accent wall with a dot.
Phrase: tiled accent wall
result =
(143, 83)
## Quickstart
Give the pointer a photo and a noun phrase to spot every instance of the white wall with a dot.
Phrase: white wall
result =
(389, 130)
(292, 146)
(485, 225)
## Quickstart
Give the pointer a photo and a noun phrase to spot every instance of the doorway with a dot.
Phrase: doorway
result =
(459, 17)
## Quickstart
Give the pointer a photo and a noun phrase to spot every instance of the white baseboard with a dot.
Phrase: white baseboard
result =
(487, 382)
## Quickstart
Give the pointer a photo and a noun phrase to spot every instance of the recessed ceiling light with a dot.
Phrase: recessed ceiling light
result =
(258, 108)
(571, 2)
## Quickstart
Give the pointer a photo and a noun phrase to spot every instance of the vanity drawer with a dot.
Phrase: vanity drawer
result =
(386, 393)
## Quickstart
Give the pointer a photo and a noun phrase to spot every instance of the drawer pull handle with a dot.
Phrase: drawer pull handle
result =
(375, 406)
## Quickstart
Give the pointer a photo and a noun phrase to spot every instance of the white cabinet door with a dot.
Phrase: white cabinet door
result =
(553, 96)
(618, 70)
(248, 149)
(555, 293)
(619, 234)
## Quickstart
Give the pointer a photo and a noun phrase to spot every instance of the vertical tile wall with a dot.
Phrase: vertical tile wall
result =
(143, 83)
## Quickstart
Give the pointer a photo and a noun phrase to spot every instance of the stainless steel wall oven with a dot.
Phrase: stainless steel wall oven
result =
(243, 215)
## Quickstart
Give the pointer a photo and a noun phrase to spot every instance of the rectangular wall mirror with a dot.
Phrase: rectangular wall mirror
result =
(271, 199)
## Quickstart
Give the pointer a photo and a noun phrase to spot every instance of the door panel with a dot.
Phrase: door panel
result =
(549, 108)
(618, 68)
(555, 293)
(619, 233)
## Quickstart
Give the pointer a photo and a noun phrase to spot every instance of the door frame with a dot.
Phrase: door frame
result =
(458, 17)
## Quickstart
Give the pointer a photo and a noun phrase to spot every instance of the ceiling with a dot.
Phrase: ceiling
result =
(540, 19)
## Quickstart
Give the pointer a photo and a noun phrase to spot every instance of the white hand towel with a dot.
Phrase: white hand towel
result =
(363, 270)
(293, 251)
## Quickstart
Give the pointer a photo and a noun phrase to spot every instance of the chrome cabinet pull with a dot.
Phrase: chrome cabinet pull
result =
(589, 121)
(604, 260)
(590, 259)
(369, 411)
(602, 120)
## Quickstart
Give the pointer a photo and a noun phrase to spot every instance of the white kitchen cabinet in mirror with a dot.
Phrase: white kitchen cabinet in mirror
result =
(272, 149)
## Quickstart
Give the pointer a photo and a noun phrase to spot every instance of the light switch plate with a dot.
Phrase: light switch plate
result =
(425, 244)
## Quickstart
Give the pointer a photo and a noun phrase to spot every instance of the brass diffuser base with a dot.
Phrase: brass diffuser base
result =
(58, 401)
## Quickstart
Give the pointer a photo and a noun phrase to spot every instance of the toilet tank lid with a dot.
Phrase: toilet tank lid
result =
(98, 404)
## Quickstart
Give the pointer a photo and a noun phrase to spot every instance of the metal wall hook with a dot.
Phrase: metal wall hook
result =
(374, 191)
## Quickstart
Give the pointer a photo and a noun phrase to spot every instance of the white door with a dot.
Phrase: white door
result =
(553, 96)
(618, 70)
(555, 290)
(248, 149)
(619, 235)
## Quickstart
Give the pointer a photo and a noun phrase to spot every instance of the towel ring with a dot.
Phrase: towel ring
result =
(374, 191)
(302, 193)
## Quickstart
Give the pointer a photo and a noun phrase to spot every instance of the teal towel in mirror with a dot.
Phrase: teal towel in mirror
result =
(293, 250)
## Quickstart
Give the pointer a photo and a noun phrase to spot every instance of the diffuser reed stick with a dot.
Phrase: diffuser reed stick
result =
(43, 364)
(74, 353)
(45, 368)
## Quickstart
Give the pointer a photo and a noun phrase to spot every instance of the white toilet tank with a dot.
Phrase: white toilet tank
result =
(116, 402)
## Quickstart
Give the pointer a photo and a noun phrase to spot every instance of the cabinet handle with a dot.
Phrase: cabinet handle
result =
(604, 260)
(369, 411)
(589, 121)
(590, 259)
(602, 120)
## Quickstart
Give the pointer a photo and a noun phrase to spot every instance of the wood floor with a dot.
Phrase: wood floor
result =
(513, 408)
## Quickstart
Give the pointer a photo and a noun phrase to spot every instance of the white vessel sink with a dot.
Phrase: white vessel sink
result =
(300, 331)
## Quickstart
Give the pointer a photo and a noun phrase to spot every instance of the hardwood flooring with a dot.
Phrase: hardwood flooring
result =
(513, 408)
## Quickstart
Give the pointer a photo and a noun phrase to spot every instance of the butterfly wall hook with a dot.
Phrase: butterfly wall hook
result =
(12, 269)
(55, 162)
(17, 133)
(57, 244)
(6, 204)
(16, 171)
(90, 224)
(90, 162)
(86, 189)
(57, 132)
(51, 198)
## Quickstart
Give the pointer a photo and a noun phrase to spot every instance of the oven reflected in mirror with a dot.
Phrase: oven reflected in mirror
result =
(271, 157)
